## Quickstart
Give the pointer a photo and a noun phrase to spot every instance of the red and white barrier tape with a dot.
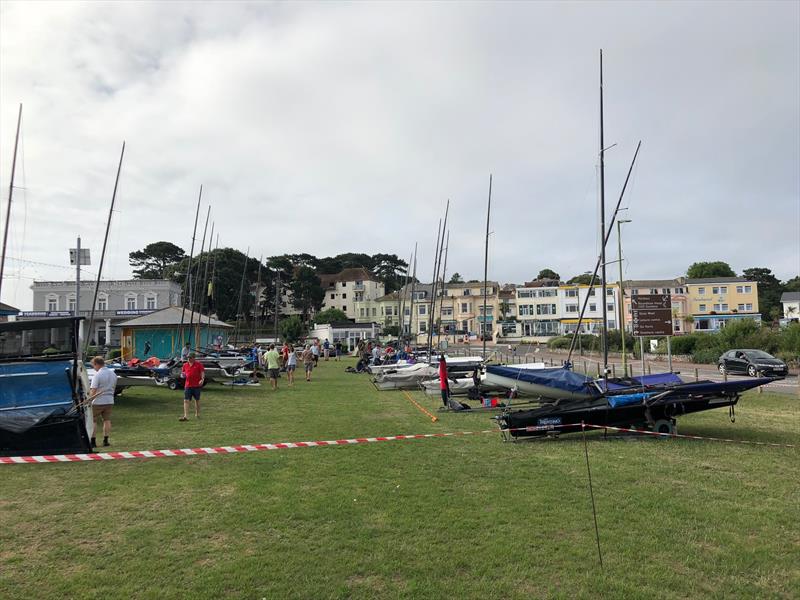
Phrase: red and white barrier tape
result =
(101, 456)
(95, 456)
(689, 437)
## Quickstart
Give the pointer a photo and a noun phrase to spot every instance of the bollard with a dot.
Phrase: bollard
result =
(649, 371)
(696, 374)
(585, 368)
(725, 375)
(598, 370)
(613, 372)
(761, 387)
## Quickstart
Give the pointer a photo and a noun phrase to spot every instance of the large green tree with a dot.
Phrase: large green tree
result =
(702, 270)
(155, 260)
(307, 292)
(769, 292)
(793, 285)
(548, 274)
(456, 278)
(390, 269)
(584, 279)
(227, 267)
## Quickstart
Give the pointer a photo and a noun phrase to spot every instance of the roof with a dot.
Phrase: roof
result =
(478, 284)
(653, 283)
(171, 316)
(537, 283)
(7, 309)
(719, 280)
(790, 297)
(351, 274)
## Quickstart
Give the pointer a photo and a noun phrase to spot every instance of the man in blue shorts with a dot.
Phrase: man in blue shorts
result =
(194, 375)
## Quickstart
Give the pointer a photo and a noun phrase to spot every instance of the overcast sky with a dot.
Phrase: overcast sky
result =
(329, 128)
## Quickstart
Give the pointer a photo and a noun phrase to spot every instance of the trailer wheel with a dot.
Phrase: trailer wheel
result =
(173, 385)
(665, 426)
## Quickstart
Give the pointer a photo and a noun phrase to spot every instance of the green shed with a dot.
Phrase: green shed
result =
(160, 333)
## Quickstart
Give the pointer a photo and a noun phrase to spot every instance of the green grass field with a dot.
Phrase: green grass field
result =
(458, 517)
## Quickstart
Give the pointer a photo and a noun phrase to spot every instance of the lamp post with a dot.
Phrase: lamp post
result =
(622, 297)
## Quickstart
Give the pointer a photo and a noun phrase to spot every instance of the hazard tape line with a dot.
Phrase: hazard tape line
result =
(100, 456)
(689, 437)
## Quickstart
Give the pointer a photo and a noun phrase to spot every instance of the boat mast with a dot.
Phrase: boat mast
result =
(433, 279)
(193, 297)
(413, 290)
(486, 268)
(603, 278)
(204, 288)
(435, 288)
(401, 297)
(240, 307)
(210, 292)
(102, 257)
(441, 302)
(258, 298)
(277, 305)
(10, 196)
(187, 279)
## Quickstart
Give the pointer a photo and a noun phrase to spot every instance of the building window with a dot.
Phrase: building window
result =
(653, 290)
(344, 308)
(71, 303)
(701, 291)
(52, 303)
(545, 309)
(592, 307)
(464, 307)
(130, 302)
(421, 310)
(407, 311)
(679, 290)
(748, 289)
(748, 306)
(665, 290)
(374, 312)
(724, 307)
(572, 308)
(344, 296)
(466, 291)
(610, 307)
(702, 308)
(634, 292)
(609, 292)
(150, 302)
(526, 293)
(591, 292)
(102, 302)
(362, 312)
(422, 327)
(333, 296)
(571, 294)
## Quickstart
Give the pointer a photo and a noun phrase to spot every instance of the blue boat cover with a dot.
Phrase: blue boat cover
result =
(627, 399)
(643, 381)
(31, 391)
(559, 378)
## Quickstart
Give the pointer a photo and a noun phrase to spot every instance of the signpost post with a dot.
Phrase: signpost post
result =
(652, 316)
(78, 257)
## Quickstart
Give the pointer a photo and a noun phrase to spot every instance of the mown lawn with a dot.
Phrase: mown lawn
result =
(459, 517)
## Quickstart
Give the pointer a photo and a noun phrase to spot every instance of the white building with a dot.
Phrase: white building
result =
(344, 289)
(571, 299)
(791, 305)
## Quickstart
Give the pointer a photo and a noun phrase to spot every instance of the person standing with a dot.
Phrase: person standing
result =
(376, 354)
(194, 377)
(326, 348)
(101, 395)
(285, 353)
(315, 351)
(444, 384)
(337, 345)
(308, 361)
(272, 357)
(291, 365)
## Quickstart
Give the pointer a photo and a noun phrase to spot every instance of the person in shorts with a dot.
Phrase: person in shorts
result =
(101, 395)
(326, 348)
(315, 351)
(338, 349)
(291, 365)
(273, 368)
(194, 377)
(308, 361)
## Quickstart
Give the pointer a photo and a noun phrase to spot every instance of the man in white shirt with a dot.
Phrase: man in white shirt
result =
(101, 395)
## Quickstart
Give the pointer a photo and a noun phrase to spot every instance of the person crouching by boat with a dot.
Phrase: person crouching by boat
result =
(308, 361)
(444, 384)
(101, 395)
(194, 375)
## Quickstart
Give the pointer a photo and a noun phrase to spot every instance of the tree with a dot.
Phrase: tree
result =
(331, 315)
(504, 308)
(307, 292)
(292, 329)
(390, 269)
(227, 283)
(702, 270)
(548, 274)
(769, 291)
(456, 278)
(154, 260)
(584, 279)
(793, 285)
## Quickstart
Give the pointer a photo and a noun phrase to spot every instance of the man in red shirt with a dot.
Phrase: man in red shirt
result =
(194, 375)
(444, 384)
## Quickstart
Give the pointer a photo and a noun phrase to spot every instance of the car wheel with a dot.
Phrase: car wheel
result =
(751, 371)
(721, 369)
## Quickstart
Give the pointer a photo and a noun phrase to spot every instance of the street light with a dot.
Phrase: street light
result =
(621, 297)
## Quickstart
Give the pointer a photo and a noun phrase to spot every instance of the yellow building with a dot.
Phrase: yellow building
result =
(715, 301)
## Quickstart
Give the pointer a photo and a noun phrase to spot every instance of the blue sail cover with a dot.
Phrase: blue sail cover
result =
(560, 378)
(660, 379)
(31, 391)
(627, 399)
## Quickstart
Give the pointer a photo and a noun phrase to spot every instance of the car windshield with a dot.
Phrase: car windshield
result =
(758, 354)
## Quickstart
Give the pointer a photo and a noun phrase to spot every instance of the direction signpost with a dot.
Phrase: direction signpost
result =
(652, 316)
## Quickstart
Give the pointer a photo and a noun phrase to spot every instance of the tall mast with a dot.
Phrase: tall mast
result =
(102, 257)
(433, 279)
(435, 287)
(187, 279)
(277, 304)
(258, 298)
(401, 301)
(193, 297)
(204, 288)
(486, 268)
(240, 308)
(210, 292)
(10, 196)
(441, 302)
(413, 290)
(603, 284)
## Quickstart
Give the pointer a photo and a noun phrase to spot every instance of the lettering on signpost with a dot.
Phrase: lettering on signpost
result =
(651, 314)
